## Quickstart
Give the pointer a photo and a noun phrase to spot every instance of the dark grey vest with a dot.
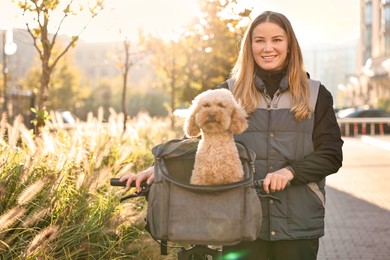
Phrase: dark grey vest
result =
(277, 139)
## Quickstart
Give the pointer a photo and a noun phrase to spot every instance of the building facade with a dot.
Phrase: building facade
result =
(371, 83)
(330, 64)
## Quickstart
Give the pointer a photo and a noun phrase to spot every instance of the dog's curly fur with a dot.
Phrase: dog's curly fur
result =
(216, 115)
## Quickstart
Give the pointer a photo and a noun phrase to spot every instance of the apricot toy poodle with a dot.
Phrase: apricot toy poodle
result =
(217, 116)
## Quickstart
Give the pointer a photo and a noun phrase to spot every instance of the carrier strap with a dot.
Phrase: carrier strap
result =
(178, 148)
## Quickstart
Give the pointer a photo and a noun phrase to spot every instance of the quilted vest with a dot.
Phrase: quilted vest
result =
(277, 139)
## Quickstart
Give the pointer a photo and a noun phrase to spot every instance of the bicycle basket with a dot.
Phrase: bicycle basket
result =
(203, 215)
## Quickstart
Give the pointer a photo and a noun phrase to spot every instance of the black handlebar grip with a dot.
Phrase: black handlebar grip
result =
(116, 182)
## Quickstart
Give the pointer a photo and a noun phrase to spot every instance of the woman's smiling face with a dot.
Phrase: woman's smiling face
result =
(269, 46)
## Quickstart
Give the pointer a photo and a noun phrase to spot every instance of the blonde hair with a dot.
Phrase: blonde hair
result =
(245, 68)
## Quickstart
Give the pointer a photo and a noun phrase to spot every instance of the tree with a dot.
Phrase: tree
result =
(130, 59)
(126, 67)
(213, 45)
(44, 13)
(202, 56)
(168, 59)
(64, 87)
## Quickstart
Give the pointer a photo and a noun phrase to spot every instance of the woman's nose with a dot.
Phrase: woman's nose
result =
(268, 46)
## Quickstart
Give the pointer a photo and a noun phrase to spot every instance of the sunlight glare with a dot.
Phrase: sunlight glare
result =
(163, 18)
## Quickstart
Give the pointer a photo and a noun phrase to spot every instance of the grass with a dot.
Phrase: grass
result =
(55, 198)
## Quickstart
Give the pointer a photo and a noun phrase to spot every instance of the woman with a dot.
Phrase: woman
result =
(294, 132)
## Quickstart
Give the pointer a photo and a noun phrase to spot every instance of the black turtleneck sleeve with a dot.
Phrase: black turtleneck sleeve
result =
(327, 156)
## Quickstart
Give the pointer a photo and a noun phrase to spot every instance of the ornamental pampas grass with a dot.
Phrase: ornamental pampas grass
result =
(14, 131)
(80, 180)
(8, 218)
(42, 239)
(3, 128)
(28, 139)
(30, 192)
(36, 217)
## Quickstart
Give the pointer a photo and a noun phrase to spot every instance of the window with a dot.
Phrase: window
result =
(387, 16)
(368, 13)
(387, 43)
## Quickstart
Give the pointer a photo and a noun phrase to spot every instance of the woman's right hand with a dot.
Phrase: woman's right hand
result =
(146, 175)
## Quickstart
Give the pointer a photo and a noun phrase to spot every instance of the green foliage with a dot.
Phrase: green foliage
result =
(65, 87)
(55, 198)
(150, 101)
(201, 57)
(41, 116)
(40, 18)
(198, 59)
(384, 104)
(107, 94)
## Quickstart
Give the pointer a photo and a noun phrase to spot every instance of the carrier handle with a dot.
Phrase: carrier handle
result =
(161, 146)
(207, 188)
(249, 154)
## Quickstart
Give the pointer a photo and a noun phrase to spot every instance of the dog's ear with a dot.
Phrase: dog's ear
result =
(239, 122)
(190, 127)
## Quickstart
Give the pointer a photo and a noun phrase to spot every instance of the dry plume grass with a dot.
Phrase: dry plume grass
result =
(30, 192)
(61, 179)
(10, 217)
(42, 239)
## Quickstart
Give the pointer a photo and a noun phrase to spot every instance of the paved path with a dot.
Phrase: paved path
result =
(357, 223)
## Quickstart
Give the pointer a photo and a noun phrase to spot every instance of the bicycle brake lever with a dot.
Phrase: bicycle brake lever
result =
(143, 193)
(260, 191)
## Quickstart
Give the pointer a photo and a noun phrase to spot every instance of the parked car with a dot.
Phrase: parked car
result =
(68, 117)
(61, 119)
(369, 120)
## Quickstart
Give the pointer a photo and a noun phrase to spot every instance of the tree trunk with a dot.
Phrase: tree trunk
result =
(173, 86)
(45, 79)
(124, 100)
(126, 69)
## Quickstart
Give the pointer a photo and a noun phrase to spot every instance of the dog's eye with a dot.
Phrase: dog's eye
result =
(207, 105)
(221, 105)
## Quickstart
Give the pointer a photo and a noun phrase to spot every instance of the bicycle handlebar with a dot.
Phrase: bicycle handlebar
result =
(116, 182)
(259, 184)
(143, 193)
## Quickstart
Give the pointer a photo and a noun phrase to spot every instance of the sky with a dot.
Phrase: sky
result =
(314, 21)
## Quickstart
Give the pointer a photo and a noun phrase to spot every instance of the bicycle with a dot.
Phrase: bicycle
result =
(194, 252)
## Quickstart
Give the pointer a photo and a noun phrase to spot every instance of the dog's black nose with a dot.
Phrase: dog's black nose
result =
(212, 116)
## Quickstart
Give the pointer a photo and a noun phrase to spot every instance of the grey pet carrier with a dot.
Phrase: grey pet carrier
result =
(203, 215)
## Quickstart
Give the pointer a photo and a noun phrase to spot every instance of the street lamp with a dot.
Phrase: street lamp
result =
(9, 48)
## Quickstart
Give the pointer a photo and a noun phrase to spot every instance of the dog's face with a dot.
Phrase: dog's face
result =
(215, 111)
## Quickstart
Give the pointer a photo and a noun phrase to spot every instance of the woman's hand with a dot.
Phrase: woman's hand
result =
(277, 181)
(146, 175)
